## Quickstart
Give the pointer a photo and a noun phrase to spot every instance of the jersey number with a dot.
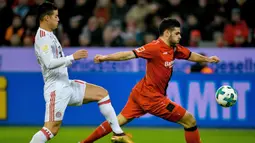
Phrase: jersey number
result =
(60, 51)
(60, 54)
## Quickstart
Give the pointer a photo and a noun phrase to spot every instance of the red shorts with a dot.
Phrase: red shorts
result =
(156, 104)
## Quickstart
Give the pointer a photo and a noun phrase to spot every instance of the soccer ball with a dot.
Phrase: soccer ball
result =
(226, 96)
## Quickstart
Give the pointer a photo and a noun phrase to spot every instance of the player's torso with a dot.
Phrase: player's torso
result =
(165, 60)
(53, 77)
(56, 47)
(159, 70)
(59, 74)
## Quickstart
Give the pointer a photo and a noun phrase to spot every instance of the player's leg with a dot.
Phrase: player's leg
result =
(104, 129)
(55, 108)
(85, 92)
(49, 130)
(46, 133)
(190, 127)
(173, 112)
(130, 111)
(94, 93)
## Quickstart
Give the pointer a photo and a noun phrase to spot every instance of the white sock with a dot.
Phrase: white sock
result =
(107, 110)
(42, 136)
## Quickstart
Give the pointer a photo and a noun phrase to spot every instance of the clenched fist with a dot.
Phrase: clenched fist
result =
(99, 58)
(80, 54)
(214, 59)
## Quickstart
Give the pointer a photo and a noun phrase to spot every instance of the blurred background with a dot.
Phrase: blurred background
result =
(225, 28)
(113, 23)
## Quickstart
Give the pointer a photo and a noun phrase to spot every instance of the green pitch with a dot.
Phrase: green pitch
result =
(140, 135)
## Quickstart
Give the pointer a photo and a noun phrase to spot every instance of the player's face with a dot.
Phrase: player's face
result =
(53, 20)
(175, 35)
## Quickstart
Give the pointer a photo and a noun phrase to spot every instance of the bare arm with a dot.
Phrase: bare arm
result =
(119, 56)
(195, 57)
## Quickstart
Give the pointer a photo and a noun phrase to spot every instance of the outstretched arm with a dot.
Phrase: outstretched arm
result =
(47, 54)
(119, 56)
(47, 58)
(195, 57)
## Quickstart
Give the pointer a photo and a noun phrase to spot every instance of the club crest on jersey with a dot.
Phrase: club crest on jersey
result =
(169, 64)
(58, 114)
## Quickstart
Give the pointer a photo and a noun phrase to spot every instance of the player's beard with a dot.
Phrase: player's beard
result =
(172, 42)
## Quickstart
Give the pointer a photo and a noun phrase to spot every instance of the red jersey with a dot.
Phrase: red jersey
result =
(159, 58)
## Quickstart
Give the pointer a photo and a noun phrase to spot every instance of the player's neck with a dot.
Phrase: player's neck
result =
(45, 27)
(165, 41)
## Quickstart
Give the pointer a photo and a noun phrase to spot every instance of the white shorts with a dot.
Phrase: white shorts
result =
(58, 100)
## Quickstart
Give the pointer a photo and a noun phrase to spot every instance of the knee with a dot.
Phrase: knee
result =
(53, 127)
(190, 121)
(101, 93)
(54, 130)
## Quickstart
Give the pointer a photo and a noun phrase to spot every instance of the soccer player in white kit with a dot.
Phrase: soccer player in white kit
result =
(59, 90)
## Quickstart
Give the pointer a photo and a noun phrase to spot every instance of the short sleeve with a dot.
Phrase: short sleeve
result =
(147, 51)
(182, 52)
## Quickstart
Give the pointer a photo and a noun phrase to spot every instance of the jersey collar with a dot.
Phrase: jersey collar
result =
(165, 45)
(44, 30)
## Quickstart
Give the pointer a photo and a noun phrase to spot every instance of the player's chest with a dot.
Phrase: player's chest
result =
(56, 48)
(167, 58)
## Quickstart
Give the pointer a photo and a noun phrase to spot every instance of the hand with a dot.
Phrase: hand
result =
(80, 54)
(99, 58)
(214, 59)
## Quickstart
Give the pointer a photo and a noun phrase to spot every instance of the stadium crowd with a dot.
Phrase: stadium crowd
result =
(113, 23)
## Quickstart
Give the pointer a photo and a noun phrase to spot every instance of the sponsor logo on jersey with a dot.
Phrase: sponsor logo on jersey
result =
(169, 64)
(45, 48)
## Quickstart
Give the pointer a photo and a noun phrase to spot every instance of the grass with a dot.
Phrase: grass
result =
(140, 135)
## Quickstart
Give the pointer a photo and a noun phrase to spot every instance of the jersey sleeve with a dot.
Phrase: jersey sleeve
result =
(182, 52)
(45, 50)
(147, 51)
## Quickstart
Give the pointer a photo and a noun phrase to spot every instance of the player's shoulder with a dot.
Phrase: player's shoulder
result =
(153, 44)
(179, 46)
(42, 35)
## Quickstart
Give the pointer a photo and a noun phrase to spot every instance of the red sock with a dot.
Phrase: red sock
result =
(100, 132)
(192, 135)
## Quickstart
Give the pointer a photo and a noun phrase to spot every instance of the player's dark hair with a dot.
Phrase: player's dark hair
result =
(168, 23)
(44, 9)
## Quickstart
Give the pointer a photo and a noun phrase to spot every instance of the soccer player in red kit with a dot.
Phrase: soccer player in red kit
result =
(149, 94)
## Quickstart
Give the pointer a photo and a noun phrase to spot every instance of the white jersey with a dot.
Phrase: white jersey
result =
(52, 60)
